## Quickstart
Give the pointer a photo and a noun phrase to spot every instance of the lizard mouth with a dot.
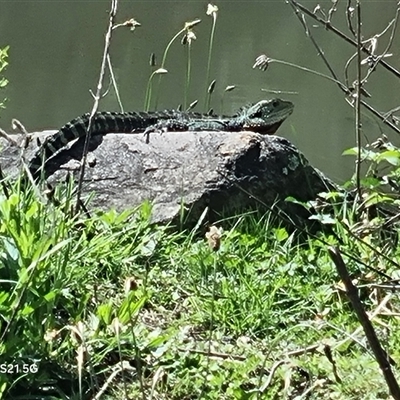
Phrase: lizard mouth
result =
(265, 130)
(272, 122)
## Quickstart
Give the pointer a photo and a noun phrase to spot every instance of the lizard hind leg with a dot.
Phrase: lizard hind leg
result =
(169, 125)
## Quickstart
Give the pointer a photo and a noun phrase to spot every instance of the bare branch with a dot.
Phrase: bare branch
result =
(114, 5)
(332, 10)
(349, 91)
(263, 62)
(357, 107)
(349, 16)
(383, 358)
(342, 35)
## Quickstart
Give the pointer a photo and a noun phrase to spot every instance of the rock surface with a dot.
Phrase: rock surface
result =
(229, 173)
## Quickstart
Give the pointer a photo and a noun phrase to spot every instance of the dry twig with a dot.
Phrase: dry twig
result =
(113, 12)
(373, 60)
(381, 356)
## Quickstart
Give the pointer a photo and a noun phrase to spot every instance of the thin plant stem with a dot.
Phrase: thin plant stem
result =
(187, 27)
(147, 100)
(163, 63)
(374, 59)
(139, 368)
(188, 74)
(210, 48)
(213, 299)
(339, 33)
(358, 103)
(149, 87)
(97, 96)
(381, 356)
(342, 86)
(227, 89)
(289, 64)
(114, 82)
(308, 33)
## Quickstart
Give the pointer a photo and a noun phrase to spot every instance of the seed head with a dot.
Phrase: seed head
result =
(191, 24)
(212, 86)
(192, 105)
(213, 237)
(188, 37)
(130, 284)
(262, 62)
(230, 88)
(131, 23)
(212, 10)
(161, 71)
(152, 61)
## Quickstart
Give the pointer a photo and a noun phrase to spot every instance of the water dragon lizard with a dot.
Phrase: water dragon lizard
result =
(264, 117)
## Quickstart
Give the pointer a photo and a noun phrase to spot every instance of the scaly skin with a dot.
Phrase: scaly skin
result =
(264, 117)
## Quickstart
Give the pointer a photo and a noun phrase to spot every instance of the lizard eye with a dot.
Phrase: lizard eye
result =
(275, 103)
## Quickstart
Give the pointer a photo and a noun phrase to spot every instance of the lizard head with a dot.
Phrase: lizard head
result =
(266, 116)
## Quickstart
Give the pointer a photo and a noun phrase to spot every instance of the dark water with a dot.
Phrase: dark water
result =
(56, 49)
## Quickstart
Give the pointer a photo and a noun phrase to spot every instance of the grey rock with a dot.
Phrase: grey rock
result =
(229, 173)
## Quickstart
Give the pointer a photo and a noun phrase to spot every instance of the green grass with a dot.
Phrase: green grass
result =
(111, 306)
(82, 298)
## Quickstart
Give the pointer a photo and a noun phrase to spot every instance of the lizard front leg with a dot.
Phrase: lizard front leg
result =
(169, 125)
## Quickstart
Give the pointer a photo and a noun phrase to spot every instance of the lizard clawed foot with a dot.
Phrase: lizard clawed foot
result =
(158, 128)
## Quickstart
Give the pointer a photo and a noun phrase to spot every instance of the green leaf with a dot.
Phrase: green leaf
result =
(331, 195)
(33, 209)
(130, 307)
(291, 199)
(10, 248)
(3, 389)
(365, 154)
(148, 248)
(371, 182)
(156, 338)
(353, 151)
(145, 210)
(159, 351)
(27, 310)
(391, 156)
(123, 216)
(281, 234)
(104, 312)
(3, 297)
(50, 296)
(376, 198)
(325, 219)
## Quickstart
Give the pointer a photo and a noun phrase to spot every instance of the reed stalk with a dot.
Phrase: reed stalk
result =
(213, 11)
